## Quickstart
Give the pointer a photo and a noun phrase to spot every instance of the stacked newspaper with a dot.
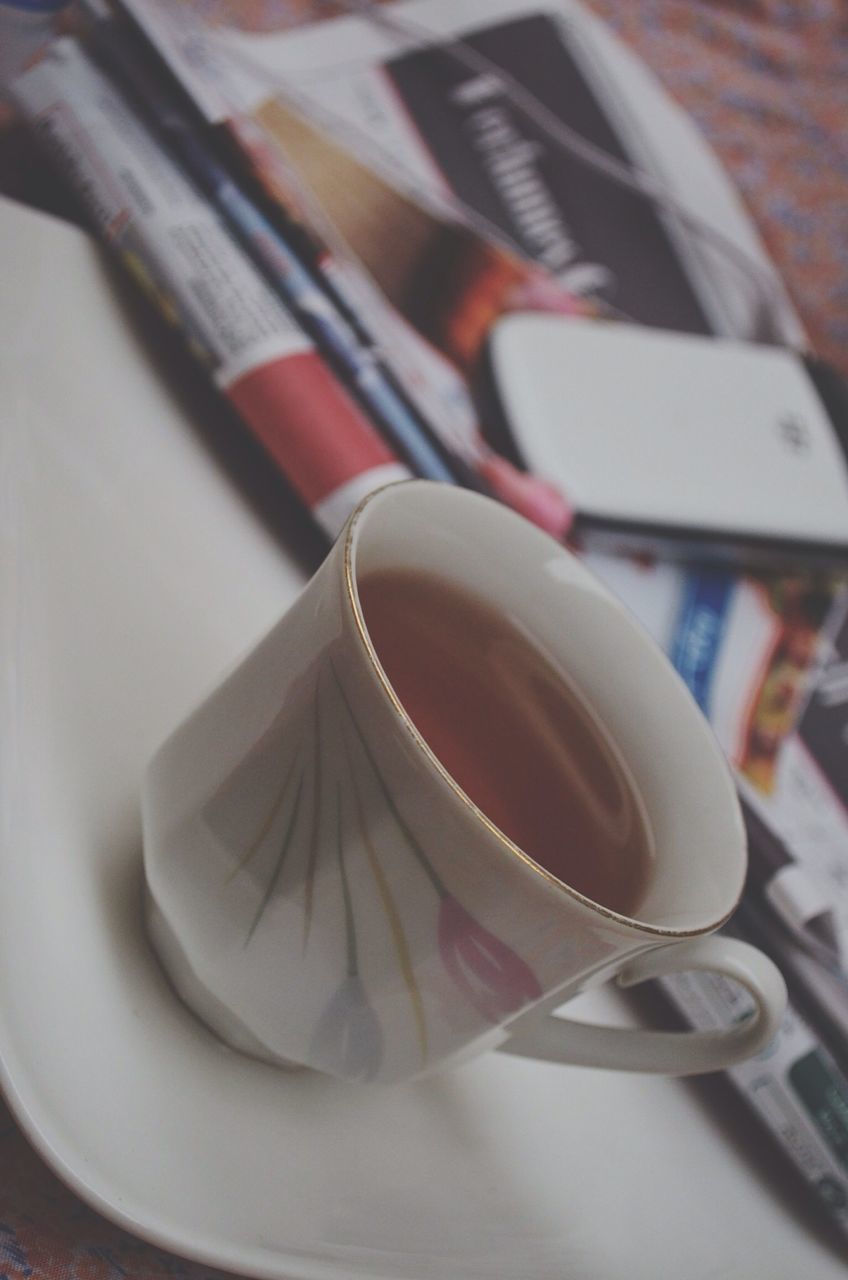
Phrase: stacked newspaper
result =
(334, 217)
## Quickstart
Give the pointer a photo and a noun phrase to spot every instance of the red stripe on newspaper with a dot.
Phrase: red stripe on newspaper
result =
(308, 423)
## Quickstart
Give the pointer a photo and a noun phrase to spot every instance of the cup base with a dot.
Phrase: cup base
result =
(198, 999)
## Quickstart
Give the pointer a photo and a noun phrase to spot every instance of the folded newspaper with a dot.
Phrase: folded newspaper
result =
(768, 662)
(432, 204)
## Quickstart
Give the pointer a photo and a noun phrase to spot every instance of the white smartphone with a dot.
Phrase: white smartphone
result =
(664, 441)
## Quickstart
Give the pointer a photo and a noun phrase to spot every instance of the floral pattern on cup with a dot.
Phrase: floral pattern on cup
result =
(489, 975)
(348, 1039)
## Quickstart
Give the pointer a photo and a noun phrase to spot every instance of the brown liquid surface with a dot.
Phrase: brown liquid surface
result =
(511, 733)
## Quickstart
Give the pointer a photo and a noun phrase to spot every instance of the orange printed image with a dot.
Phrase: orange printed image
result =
(801, 608)
(448, 282)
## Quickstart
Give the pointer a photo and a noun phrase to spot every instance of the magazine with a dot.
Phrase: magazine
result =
(443, 207)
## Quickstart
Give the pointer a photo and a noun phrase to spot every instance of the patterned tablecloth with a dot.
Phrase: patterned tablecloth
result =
(767, 81)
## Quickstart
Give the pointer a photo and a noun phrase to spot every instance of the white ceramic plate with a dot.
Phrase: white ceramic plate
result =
(132, 573)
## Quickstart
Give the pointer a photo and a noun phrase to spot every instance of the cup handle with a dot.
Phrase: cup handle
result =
(676, 1053)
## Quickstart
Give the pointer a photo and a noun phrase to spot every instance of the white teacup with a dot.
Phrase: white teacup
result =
(322, 892)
